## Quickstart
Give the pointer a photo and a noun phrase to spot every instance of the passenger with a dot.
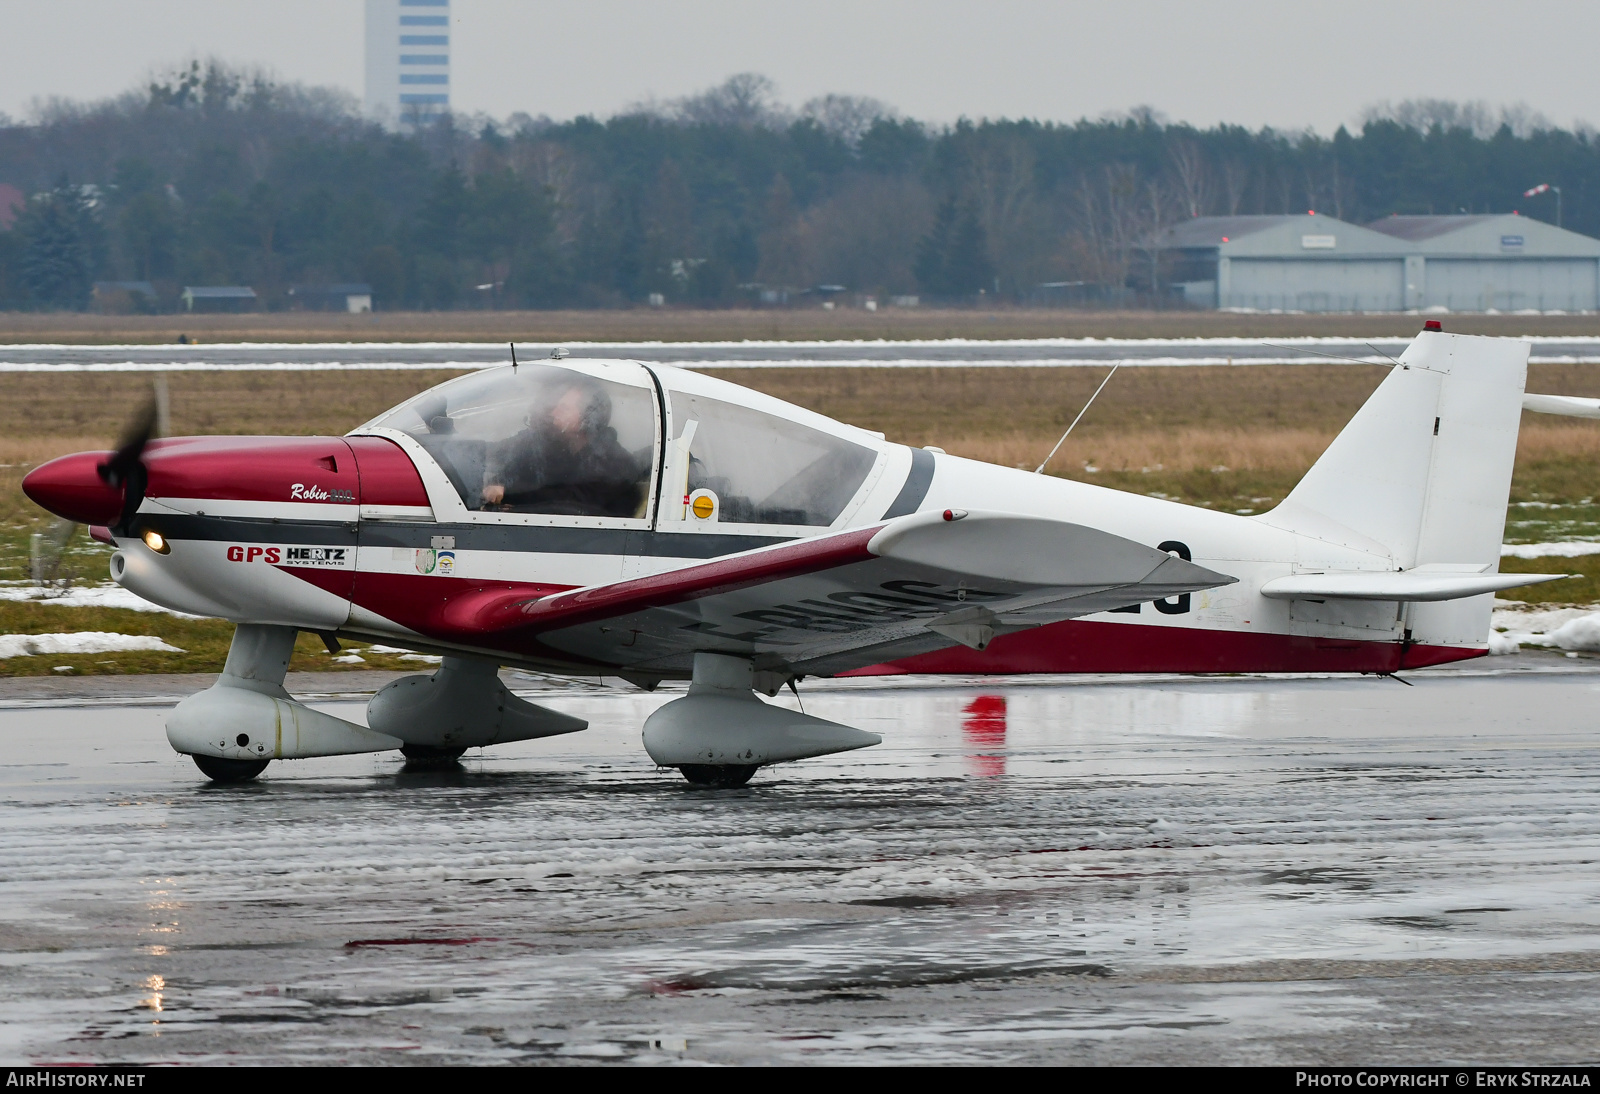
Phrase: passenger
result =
(566, 461)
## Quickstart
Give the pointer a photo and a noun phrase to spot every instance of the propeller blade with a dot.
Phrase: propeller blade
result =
(125, 469)
(139, 431)
(47, 549)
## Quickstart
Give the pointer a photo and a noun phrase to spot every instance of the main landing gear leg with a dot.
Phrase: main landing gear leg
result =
(720, 733)
(463, 705)
(246, 720)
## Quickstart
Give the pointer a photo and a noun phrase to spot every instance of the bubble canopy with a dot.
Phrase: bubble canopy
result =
(541, 438)
(585, 440)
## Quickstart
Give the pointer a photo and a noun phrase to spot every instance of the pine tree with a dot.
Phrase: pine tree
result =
(953, 258)
(57, 231)
(967, 264)
(932, 265)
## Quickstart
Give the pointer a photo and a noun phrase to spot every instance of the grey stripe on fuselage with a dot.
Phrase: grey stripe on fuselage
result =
(916, 487)
(468, 537)
(564, 541)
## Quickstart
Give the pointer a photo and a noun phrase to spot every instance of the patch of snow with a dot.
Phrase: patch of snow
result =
(351, 659)
(387, 649)
(1520, 624)
(30, 645)
(1501, 644)
(1569, 549)
(427, 658)
(86, 596)
(1526, 618)
(1582, 633)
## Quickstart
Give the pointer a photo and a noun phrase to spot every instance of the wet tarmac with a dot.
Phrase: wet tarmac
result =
(1178, 870)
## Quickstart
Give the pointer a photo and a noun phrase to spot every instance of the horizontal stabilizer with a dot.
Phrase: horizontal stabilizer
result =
(1422, 583)
(1570, 405)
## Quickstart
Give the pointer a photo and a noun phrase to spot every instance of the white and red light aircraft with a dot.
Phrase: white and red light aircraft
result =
(615, 518)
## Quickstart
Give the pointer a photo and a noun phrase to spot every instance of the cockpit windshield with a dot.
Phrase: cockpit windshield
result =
(538, 439)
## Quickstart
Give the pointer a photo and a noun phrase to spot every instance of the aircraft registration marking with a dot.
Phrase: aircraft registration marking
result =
(850, 611)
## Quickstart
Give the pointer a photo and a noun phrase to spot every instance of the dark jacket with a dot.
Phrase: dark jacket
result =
(542, 473)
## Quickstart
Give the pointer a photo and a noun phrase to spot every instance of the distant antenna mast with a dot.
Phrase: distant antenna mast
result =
(513, 356)
(1040, 469)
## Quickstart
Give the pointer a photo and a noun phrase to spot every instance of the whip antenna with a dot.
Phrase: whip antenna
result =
(1040, 469)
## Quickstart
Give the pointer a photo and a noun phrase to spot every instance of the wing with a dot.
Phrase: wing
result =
(1569, 405)
(850, 599)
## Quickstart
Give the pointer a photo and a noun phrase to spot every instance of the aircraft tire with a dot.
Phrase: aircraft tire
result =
(219, 770)
(424, 758)
(718, 776)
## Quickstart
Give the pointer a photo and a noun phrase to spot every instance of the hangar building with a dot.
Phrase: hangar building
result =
(1315, 263)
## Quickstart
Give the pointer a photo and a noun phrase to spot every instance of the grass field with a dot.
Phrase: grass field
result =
(734, 324)
(1229, 438)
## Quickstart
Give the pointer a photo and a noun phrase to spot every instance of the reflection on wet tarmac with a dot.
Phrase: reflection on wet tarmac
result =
(1289, 871)
(983, 724)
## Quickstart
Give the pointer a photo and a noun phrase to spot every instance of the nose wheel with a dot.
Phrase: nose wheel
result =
(718, 776)
(219, 770)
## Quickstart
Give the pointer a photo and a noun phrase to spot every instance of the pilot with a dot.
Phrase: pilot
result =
(567, 460)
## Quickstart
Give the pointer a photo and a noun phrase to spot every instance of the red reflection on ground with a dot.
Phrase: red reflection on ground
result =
(983, 725)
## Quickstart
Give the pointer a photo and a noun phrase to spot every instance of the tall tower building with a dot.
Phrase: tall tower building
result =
(408, 60)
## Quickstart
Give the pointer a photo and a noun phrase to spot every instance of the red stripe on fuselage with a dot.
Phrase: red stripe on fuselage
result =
(1080, 645)
(448, 608)
(508, 615)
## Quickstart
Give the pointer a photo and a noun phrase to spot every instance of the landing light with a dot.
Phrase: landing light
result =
(157, 542)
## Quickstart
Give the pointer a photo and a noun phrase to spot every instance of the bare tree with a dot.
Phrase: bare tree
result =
(1477, 117)
(1235, 180)
(865, 236)
(847, 117)
(998, 175)
(1110, 221)
(782, 240)
(747, 100)
(1191, 175)
(560, 173)
(1120, 215)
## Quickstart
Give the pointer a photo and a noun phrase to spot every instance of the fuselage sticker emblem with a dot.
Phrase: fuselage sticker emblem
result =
(427, 560)
(335, 558)
(328, 558)
(447, 563)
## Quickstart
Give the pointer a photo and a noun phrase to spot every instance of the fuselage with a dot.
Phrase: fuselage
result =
(388, 533)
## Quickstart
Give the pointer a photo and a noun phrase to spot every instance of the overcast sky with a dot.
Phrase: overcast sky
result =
(1252, 62)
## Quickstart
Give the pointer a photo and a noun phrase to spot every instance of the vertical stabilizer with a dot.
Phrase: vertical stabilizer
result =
(1422, 473)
